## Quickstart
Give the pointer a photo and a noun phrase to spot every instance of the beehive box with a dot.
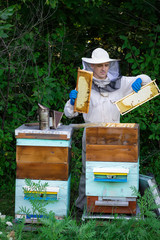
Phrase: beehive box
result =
(134, 100)
(59, 204)
(84, 84)
(116, 143)
(43, 155)
(112, 168)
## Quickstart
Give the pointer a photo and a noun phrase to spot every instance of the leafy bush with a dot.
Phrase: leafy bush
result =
(143, 58)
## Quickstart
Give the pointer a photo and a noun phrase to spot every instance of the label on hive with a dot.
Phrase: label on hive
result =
(84, 84)
(134, 99)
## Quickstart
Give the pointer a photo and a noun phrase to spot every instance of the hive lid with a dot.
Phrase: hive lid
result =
(63, 132)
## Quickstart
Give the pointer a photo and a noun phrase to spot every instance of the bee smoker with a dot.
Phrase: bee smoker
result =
(43, 117)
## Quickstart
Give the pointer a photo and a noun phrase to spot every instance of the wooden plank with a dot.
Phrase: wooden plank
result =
(126, 199)
(111, 203)
(42, 154)
(60, 207)
(103, 124)
(112, 189)
(39, 170)
(134, 100)
(112, 153)
(84, 84)
(43, 142)
(41, 136)
(112, 135)
(92, 208)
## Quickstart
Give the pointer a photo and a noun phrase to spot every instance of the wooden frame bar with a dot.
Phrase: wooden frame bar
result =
(134, 100)
(84, 85)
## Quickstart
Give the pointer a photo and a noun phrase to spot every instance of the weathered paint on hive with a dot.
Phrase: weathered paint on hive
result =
(59, 207)
(112, 189)
(102, 142)
(43, 142)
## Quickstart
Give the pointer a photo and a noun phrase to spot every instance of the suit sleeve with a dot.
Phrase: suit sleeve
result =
(126, 83)
(69, 110)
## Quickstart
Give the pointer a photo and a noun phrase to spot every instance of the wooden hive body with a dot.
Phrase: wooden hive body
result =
(112, 168)
(44, 155)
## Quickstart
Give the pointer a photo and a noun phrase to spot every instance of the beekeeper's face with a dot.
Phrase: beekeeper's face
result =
(100, 70)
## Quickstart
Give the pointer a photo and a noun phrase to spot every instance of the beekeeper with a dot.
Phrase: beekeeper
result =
(108, 86)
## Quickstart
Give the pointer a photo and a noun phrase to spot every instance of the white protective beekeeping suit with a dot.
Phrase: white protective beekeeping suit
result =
(104, 94)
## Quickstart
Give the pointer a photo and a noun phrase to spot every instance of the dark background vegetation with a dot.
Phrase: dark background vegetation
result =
(41, 45)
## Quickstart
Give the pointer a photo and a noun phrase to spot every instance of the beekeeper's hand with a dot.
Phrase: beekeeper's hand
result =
(136, 86)
(73, 96)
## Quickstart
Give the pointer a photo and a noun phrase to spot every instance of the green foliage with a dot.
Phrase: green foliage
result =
(37, 206)
(146, 203)
(42, 43)
(142, 57)
(76, 164)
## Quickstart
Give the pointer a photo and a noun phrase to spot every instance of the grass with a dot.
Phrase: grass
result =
(119, 229)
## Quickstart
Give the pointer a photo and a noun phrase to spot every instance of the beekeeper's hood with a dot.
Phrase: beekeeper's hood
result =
(99, 55)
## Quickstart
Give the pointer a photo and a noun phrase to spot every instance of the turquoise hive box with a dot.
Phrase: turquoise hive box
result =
(112, 168)
(43, 156)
